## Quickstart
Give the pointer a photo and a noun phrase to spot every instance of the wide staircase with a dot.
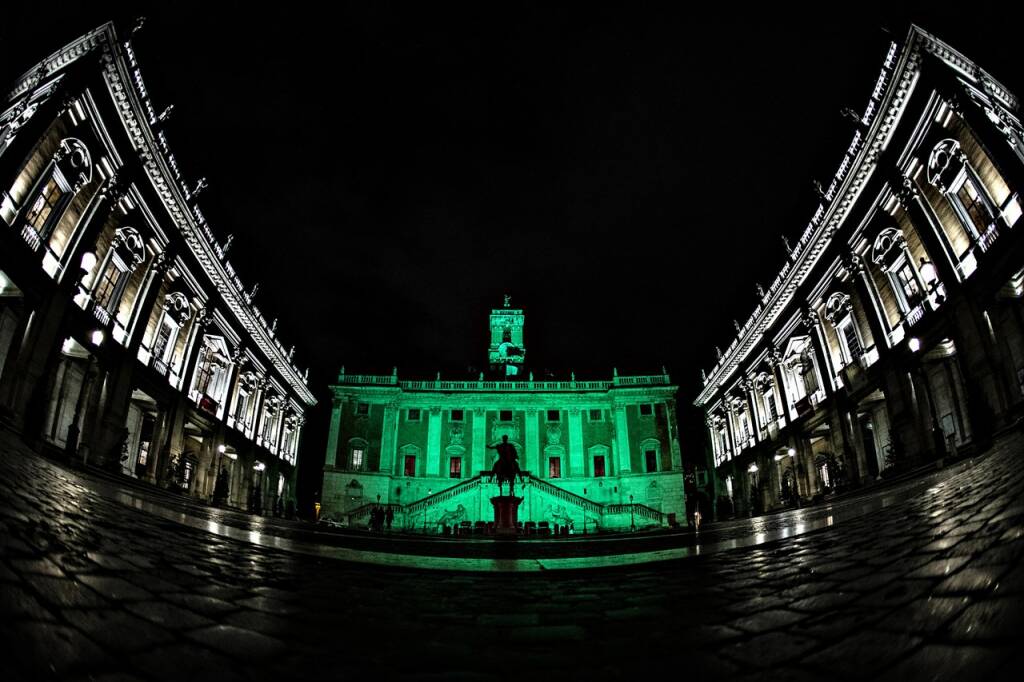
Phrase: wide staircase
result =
(428, 512)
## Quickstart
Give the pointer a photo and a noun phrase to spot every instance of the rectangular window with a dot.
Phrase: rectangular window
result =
(111, 284)
(413, 415)
(554, 467)
(974, 208)
(599, 465)
(410, 465)
(357, 458)
(458, 415)
(554, 416)
(242, 405)
(907, 280)
(646, 410)
(851, 340)
(651, 460)
(455, 467)
(164, 344)
(505, 415)
(595, 415)
(44, 205)
(769, 401)
(362, 408)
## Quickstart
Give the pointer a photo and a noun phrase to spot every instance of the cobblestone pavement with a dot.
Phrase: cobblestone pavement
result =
(930, 588)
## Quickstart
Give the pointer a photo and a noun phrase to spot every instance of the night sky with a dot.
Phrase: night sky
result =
(389, 173)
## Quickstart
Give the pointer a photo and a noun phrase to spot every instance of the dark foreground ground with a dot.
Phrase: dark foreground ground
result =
(927, 586)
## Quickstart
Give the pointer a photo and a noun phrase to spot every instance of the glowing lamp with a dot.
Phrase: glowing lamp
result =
(791, 452)
(914, 344)
(259, 466)
(221, 449)
(928, 272)
(752, 469)
(88, 261)
(96, 338)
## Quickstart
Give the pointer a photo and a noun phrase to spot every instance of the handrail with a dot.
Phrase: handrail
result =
(639, 509)
(565, 495)
(442, 496)
(364, 509)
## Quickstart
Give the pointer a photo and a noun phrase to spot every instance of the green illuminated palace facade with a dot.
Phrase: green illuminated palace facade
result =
(600, 454)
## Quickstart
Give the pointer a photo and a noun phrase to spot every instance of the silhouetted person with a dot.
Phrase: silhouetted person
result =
(220, 488)
(389, 516)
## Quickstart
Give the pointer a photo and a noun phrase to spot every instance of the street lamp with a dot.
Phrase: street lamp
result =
(632, 522)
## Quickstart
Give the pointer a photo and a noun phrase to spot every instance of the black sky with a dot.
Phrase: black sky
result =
(389, 172)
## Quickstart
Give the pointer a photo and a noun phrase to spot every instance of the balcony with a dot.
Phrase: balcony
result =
(31, 237)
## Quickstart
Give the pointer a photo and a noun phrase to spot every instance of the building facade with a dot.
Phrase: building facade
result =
(126, 337)
(894, 333)
(597, 454)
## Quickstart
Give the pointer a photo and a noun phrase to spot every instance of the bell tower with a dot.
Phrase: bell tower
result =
(507, 352)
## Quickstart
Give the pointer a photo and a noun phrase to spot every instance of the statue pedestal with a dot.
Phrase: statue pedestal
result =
(506, 514)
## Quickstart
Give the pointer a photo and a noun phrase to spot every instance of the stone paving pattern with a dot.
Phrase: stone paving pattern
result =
(932, 589)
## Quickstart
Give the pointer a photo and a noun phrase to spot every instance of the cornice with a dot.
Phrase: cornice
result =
(134, 116)
(855, 170)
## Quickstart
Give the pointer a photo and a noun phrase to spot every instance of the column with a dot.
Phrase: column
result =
(622, 439)
(40, 346)
(864, 288)
(673, 434)
(812, 325)
(122, 378)
(479, 441)
(388, 435)
(775, 360)
(575, 442)
(533, 464)
(433, 442)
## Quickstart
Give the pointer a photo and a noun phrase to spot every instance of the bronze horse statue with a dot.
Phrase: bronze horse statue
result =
(506, 468)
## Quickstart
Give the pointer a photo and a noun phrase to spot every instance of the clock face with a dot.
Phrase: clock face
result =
(504, 348)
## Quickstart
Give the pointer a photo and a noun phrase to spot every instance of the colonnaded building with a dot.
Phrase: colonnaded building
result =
(597, 454)
(894, 333)
(126, 337)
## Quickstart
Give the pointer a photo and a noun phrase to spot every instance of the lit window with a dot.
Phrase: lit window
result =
(111, 283)
(357, 458)
(973, 207)
(595, 415)
(413, 415)
(599, 465)
(505, 415)
(455, 467)
(851, 341)
(646, 410)
(554, 467)
(554, 416)
(165, 339)
(769, 402)
(44, 206)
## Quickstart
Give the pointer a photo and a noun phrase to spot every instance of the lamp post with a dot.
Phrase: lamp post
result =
(584, 514)
(632, 522)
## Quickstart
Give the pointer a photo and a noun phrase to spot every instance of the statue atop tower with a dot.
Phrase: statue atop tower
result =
(507, 352)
